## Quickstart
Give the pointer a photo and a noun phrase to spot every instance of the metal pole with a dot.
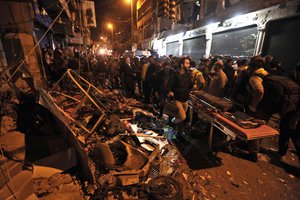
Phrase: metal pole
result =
(131, 12)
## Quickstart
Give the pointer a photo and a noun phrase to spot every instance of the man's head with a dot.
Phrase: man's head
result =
(219, 65)
(268, 59)
(256, 62)
(229, 61)
(127, 60)
(206, 62)
(243, 62)
(165, 64)
(184, 63)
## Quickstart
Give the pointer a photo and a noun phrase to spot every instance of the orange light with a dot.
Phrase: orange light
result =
(109, 25)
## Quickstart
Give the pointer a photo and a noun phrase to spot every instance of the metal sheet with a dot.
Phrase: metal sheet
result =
(195, 48)
(173, 48)
(282, 41)
(237, 42)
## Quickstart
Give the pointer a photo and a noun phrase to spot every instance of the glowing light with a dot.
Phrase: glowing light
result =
(102, 51)
(110, 26)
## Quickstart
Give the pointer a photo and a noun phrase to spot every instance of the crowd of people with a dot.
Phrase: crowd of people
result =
(154, 79)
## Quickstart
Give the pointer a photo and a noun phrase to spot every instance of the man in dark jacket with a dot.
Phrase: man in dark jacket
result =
(148, 82)
(179, 87)
(290, 126)
(128, 78)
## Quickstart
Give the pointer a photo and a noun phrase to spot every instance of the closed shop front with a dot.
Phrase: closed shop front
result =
(237, 42)
(282, 41)
(195, 48)
(173, 48)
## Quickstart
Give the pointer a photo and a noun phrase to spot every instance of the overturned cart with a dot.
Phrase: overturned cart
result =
(115, 157)
(228, 117)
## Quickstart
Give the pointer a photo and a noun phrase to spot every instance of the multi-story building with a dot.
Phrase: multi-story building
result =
(29, 25)
(227, 27)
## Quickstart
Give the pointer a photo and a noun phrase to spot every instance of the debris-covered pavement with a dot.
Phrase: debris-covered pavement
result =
(101, 145)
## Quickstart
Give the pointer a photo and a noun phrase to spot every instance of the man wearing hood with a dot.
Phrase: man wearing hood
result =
(256, 81)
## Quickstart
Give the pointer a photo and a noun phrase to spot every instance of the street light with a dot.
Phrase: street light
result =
(111, 27)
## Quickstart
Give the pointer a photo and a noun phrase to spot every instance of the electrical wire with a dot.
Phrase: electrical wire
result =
(27, 56)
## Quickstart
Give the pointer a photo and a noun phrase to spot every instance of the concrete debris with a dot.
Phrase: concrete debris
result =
(57, 186)
(233, 182)
(228, 173)
(281, 180)
(123, 150)
(7, 124)
(291, 176)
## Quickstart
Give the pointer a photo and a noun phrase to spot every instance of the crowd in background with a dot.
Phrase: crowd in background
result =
(153, 79)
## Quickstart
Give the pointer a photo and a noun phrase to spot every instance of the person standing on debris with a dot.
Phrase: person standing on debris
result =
(256, 90)
(145, 65)
(128, 77)
(114, 69)
(59, 67)
(204, 69)
(290, 125)
(137, 68)
(148, 81)
(219, 81)
(179, 86)
(163, 78)
(256, 82)
(198, 79)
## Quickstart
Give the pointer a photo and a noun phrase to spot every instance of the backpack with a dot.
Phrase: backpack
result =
(281, 95)
(240, 89)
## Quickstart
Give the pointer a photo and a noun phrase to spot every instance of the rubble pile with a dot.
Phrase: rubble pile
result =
(128, 153)
(58, 186)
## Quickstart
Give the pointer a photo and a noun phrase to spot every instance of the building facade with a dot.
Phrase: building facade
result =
(225, 27)
(27, 26)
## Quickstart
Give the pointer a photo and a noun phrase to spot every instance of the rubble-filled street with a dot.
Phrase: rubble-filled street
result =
(85, 143)
(149, 99)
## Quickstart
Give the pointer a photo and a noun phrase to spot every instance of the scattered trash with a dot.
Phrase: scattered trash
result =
(185, 176)
(228, 173)
(291, 176)
(232, 181)
(281, 180)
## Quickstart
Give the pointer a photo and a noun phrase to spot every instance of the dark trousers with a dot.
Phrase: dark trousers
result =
(286, 133)
(130, 88)
(147, 89)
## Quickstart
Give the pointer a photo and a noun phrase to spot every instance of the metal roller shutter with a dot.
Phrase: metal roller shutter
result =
(173, 48)
(237, 42)
(282, 41)
(195, 48)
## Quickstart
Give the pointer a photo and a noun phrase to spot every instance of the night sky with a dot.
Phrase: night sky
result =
(113, 11)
